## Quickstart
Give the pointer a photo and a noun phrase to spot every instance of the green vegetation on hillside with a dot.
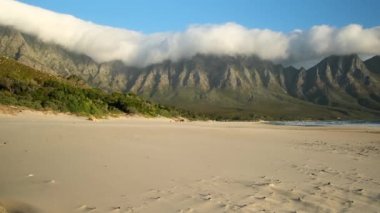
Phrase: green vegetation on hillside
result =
(21, 85)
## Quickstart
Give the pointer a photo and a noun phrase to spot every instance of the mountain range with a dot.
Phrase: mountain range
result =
(230, 87)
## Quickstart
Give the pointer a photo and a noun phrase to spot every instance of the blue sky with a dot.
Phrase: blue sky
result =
(151, 16)
(176, 29)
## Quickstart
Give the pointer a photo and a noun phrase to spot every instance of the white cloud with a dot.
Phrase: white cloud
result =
(104, 43)
(321, 41)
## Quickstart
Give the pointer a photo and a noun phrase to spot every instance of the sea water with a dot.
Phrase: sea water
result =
(363, 123)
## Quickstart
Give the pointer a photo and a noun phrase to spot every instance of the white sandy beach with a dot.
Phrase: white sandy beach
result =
(62, 164)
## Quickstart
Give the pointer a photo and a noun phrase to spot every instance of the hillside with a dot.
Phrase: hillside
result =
(224, 87)
(21, 85)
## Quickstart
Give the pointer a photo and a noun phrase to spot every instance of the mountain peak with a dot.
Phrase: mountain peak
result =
(341, 58)
(376, 57)
(373, 64)
(341, 62)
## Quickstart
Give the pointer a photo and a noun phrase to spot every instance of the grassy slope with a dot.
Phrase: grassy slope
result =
(21, 85)
(221, 104)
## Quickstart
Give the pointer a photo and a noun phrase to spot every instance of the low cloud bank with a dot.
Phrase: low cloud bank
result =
(104, 43)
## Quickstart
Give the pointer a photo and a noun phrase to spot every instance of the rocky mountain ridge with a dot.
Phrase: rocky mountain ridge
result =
(338, 86)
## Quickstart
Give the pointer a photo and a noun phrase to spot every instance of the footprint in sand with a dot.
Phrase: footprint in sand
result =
(86, 208)
(11, 206)
(205, 196)
(116, 209)
(51, 181)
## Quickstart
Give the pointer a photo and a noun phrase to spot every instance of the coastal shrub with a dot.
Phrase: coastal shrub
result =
(24, 86)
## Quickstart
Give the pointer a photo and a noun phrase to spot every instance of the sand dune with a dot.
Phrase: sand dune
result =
(59, 163)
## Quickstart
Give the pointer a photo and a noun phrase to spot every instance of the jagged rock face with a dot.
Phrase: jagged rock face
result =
(228, 73)
(340, 80)
(221, 81)
(335, 81)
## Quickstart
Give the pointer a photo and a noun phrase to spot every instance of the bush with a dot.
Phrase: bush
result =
(24, 86)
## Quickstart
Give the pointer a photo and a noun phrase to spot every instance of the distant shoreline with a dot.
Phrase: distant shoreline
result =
(316, 123)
